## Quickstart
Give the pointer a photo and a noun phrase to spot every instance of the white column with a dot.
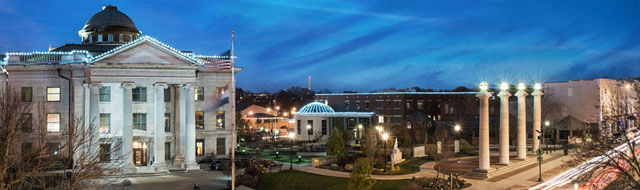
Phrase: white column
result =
(159, 137)
(94, 121)
(483, 95)
(537, 116)
(504, 125)
(190, 129)
(127, 128)
(522, 122)
(180, 130)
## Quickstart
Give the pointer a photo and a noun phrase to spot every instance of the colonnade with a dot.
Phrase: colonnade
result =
(483, 96)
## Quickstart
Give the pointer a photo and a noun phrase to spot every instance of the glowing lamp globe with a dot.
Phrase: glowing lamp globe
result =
(522, 86)
(292, 135)
(385, 136)
(456, 128)
(504, 86)
(537, 86)
(484, 86)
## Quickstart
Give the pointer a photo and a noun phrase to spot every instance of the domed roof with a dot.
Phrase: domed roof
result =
(110, 19)
(316, 107)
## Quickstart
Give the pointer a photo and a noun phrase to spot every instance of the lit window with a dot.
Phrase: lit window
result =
(26, 94)
(221, 146)
(408, 104)
(53, 122)
(199, 93)
(357, 105)
(220, 119)
(219, 92)
(105, 123)
(105, 94)
(420, 104)
(53, 94)
(139, 94)
(53, 147)
(99, 37)
(140, 121)
(27, 123)
(105, 152)
(167, 122)
(110, 37)
(121, 37)
(346, 104)
(199, 120)
(199, 147)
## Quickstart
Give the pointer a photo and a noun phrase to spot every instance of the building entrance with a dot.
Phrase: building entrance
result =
(140, 154)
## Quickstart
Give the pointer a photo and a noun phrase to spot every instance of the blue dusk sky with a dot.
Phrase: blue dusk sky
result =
(367, 45)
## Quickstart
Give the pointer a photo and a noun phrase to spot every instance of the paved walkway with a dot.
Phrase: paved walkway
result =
(426, 170)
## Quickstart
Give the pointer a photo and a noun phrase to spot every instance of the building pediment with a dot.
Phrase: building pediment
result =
(145, 51)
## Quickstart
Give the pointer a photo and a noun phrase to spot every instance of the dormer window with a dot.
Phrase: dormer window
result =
(130, 37)
(110, 37)
(121, 37)
(90, 38)
(99, 37)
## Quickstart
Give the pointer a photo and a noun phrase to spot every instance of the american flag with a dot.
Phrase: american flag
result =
(218, 63)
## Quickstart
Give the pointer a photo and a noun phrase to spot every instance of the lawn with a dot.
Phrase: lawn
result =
(409, 166)
(301, 180)
(283, 156)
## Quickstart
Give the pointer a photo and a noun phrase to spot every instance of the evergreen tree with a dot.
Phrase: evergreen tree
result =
(335, 145)
(361, 175)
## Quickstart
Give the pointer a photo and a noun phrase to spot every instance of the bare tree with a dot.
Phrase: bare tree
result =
(620, 110)
(32, 157)
(370, 144)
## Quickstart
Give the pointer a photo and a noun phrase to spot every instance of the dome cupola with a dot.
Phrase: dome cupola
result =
(109, 26)
(316, 107)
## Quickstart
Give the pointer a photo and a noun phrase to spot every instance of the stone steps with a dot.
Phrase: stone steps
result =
(493, 172)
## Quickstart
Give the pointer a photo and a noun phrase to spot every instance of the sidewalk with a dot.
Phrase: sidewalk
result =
(426, 170)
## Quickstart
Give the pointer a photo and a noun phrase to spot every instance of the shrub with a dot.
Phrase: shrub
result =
(255, 169)
(439, 183)
(467, 148)
(361, 175)
(247, 180)
(350, 159)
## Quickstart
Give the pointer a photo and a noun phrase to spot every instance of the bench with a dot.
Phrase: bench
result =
(278, 167)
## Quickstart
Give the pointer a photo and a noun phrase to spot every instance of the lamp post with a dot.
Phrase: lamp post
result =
(539, 153)
(359, 132)
(385, 136)
(276, 132)
(291, 137)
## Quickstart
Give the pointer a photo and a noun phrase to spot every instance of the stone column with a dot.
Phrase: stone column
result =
(483, 95)
(537, 115)
(179, 126)
(190, 129)
(522, 122)
(159, 138)
(504, 124)
(94, 120)
(127, 128)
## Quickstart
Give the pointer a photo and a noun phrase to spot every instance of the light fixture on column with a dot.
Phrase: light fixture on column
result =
(537, 86)
(504, 86)
(484, 86)
(522, 86)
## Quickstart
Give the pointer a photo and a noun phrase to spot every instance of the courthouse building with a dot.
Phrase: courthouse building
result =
(152, 98)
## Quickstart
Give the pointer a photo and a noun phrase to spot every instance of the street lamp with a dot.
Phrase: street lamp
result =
(379, 129)
(276, 139)
(385, 136)
(291, 137)
(539, 153)
(546, 127)
(456, 128)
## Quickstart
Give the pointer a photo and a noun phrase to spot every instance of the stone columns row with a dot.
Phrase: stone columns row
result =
(483, 96)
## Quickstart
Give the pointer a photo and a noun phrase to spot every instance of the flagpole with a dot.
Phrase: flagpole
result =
(233, 116)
